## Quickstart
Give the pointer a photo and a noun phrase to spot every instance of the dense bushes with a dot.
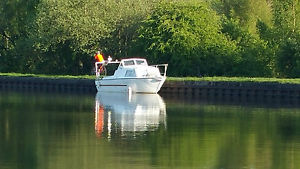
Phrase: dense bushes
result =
(189, 38)
(288, 60)
(213, 38)
(256, 57)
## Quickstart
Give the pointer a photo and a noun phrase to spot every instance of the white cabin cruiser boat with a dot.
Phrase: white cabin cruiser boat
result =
(132, 75)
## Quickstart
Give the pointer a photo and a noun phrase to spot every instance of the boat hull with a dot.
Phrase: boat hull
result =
(136, 85)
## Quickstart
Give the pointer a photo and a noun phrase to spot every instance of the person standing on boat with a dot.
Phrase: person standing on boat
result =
(99, 57)
(99, 62)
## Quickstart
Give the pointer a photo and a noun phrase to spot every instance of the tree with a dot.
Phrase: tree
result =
(67, 33)
(83, 27)
(288, 59)
(286, 16)
(256, 57)
(16, 16)
(246, 11)
(286, 35)
(187, 36)
(130, 14)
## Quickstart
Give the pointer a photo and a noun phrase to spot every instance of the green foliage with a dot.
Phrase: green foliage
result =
(246, 11)
(210, 37)
(86, 25)
(257, 58)
(129, 14)
(288, 60)
(80, 23)
(187, 36)
(283, 37)
(286, 16)
(15, 19)
(67, 33)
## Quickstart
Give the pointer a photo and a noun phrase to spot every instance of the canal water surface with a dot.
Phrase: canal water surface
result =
(61, 131)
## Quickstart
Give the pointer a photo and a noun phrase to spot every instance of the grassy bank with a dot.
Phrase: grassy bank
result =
(48, 76)
(214, 79)
(236, 79)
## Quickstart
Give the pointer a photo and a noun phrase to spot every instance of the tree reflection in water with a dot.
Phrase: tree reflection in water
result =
(141, 131)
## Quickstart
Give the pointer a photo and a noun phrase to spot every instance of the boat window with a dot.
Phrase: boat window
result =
(140, 62)
(130, 73)
(128, 63)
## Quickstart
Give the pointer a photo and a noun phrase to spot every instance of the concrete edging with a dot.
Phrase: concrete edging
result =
(205, 88)
(194, 88)
(47, 84)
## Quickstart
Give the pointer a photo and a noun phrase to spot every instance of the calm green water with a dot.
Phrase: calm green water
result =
(61, 131)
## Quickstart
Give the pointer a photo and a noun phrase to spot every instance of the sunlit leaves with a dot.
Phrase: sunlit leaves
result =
(87, 24)
(83, 23)
(187, 35)
(60, 36)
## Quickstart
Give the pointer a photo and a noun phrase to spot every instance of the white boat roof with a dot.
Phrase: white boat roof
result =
(129, 62)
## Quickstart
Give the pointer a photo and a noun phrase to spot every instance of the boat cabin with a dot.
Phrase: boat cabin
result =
(134, 68)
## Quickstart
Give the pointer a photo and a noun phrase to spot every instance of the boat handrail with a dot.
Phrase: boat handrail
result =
(99, 64)
(162, 65)
(106, 62)
(97, 68)
(109, 62)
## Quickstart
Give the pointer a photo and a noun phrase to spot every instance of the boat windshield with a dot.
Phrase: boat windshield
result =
(128, 63)
(141, 62)
(134, 62)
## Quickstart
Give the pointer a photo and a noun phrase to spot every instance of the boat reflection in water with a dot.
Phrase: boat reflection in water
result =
(128, 114)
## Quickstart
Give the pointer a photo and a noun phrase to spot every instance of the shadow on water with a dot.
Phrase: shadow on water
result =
(215, 98)
(249, 101)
